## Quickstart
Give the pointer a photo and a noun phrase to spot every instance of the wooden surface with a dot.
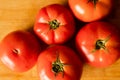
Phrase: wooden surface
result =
(20, 14)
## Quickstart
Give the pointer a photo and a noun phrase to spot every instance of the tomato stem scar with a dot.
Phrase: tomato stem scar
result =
(15, 51)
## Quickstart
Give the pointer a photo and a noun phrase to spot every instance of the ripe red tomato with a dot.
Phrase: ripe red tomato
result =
(99, 43)
(90, 10)
(54, 24)
(19, 51)
(59, 63)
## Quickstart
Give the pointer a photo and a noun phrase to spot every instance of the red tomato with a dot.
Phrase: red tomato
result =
(19, 51)
(54, 24)
(99, 43)
(59, 63)
(90, 10)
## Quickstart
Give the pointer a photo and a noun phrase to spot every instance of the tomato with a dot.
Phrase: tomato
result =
(90, 10)
(59, 63)
(99, 44)
(19, 51)
(54, 24)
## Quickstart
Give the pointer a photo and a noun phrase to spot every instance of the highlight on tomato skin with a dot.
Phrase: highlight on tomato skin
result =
(99, 43)
(91, 10)
(54, 24)
(59, 62)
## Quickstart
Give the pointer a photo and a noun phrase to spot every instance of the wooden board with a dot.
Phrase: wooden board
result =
(20, 14)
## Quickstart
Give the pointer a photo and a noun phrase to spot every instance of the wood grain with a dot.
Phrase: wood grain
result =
(20, 14)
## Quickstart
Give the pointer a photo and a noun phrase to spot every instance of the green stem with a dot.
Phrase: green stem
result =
(100, 44)
(54, 24)
(58, 66)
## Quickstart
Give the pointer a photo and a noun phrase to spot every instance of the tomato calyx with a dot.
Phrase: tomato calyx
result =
(54, 24)
(101, 44)
(94, 2)
(58, 66)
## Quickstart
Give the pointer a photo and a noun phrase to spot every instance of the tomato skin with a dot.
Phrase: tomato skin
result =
(87, 12)
(19, 51)
(66, 24)
(72, 71)
(86, 40)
